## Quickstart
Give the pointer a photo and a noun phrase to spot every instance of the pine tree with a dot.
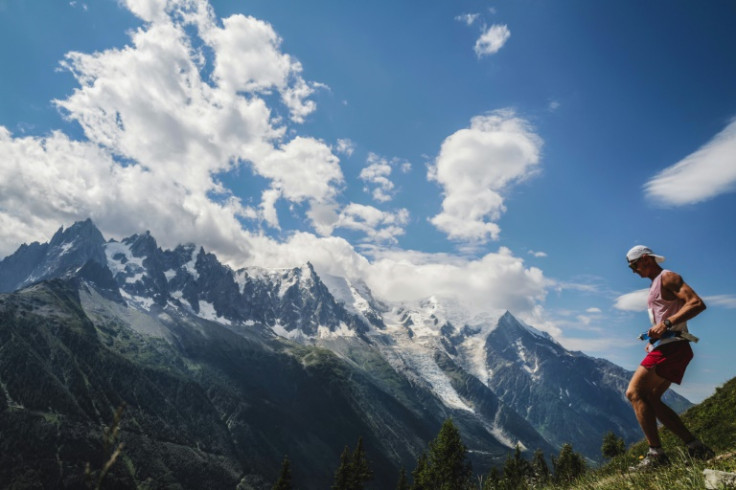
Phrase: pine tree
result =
(284, 481)
(354, 469)
(493, 480)
(421, 474)
(360, 471)
(540, 470)
(516, 470)
(342, 475)
(445, 466)
(568, 466)
(612, 445)
(403, 483)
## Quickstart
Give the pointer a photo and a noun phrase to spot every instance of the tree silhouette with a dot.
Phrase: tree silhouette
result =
(445, 466)
(403, 483)
(516, 470)
(540, 470)
(354, 469)
(568, 466)
(612, 445)
(284, 481)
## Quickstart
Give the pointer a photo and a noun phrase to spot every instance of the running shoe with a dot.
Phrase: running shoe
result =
(700, 451)
(650, 461)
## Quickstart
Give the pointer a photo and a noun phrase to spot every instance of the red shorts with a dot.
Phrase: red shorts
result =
(670, 360)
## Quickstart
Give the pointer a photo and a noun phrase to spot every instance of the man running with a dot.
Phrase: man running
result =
(671, 303)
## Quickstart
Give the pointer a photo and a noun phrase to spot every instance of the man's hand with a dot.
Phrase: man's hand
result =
(657, 331)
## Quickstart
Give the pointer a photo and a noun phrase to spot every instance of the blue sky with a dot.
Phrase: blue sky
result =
(504, 155)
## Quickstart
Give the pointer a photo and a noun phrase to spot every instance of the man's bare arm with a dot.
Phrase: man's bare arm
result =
(693, 304)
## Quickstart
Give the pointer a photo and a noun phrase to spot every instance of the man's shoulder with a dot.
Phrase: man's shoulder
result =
(670, 276)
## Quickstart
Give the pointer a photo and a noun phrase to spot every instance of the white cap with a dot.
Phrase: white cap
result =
(639, 251)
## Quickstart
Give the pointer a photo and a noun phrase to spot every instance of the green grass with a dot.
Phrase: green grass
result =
(713, 421)
(682, 474)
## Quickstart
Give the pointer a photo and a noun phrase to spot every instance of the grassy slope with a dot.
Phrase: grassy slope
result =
(714, 421)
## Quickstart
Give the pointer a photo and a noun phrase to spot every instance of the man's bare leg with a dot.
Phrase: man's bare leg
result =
(641, 389)
(667, 416)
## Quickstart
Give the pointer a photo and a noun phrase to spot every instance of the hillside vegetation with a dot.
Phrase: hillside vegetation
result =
(714, 421)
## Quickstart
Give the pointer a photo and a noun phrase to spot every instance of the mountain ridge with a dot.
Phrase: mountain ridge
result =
(501, 379)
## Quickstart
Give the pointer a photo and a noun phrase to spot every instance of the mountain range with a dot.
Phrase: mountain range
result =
(222, 373)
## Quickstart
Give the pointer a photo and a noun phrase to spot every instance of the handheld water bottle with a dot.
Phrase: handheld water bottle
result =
(667, 335)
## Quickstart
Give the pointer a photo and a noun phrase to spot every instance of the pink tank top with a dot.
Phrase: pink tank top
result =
(661, 309)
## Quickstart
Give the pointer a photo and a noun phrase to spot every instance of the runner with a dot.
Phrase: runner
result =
(672, 302)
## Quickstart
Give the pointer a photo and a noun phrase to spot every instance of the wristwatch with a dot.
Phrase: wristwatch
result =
(668, 324)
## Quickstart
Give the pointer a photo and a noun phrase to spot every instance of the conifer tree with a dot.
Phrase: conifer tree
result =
(360, 471)
(540, 470)
(420, 474)
(342, 475)
(403, 483)
(516, 470)
(446, 466)
(612, 445)
(354, 469)
(284, 481)
(568, 466)
(493, 480)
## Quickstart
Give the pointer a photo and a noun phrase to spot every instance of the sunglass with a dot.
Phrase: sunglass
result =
(633, 264)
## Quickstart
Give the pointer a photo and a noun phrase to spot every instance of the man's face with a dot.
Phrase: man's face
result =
(640, 265)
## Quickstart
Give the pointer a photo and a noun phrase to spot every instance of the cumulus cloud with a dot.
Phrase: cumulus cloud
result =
(168, 116)
(303, 169)
(159, 134)
(492, 40)
(496, 281)
(377, 175)
(249, 59)
(634, 301)
(345, 146)
(45, 182)
(476, 166)
(377, 225)
(702, 175)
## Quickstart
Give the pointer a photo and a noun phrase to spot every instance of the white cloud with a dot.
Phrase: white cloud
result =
(584, 319)
(496, 281)
(303, 169)
(591, 346)
(593, 310)
(633, 301)
(475, 166)
(538, 255)
(268, 207)
(722, 300)
(702, 175)
(377, 173)
(468, 19)
(148, 10)
(345, 146)
(248, 58)
(492, 40)
(45, 182)
(159, 135)
(377, 225)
